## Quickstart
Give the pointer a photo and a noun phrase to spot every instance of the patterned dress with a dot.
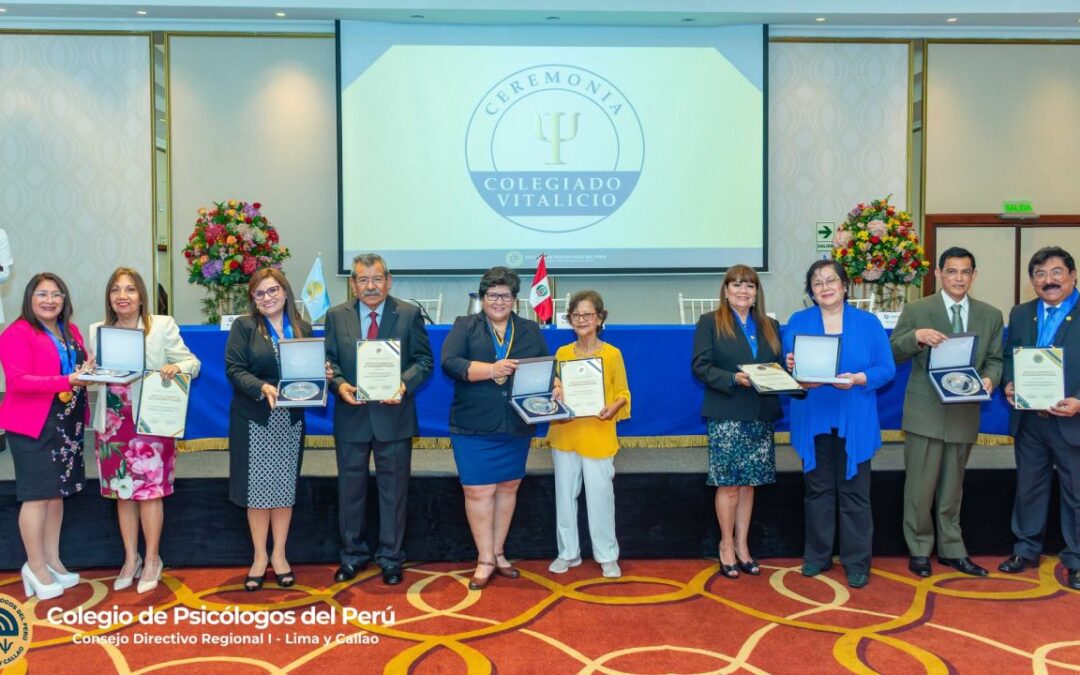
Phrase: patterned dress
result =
(741, 453)
(131, 465)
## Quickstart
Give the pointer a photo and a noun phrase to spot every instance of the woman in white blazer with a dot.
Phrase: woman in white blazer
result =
(137, 469)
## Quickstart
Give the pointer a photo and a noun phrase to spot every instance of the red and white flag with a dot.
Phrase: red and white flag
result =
(540, 295)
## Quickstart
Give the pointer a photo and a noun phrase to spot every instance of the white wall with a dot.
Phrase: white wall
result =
(254, 118)
(75, 162)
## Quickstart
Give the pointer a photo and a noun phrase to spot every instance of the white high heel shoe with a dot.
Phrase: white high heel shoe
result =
(67, 579)
(125, 582)
(148, 582)
(32, 587)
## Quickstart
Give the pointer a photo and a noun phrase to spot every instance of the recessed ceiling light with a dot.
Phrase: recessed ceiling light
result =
(141, 12)
(553, 18)
(279, 13)
(417, 16)
(2, 10)
(688, 19)
(952, 19)
(820, 19)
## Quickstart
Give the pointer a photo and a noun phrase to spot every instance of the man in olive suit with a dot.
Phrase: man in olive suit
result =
(938, 436)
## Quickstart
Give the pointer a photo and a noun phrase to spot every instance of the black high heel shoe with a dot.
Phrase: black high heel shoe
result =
(750, 567)
(252, 584)
(729, 571)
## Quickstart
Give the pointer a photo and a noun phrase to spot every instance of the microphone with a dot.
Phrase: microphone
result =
(423, 311)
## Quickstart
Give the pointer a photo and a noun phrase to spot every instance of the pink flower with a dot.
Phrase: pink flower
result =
(841, 239)
(122, 392)
(872, 273)
(112, 424)
(877, 227)
(144, 459)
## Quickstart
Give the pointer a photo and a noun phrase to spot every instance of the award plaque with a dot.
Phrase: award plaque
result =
(770, 378)
(1038, 377)
(303, 373)
(120, 357)
(951, 370)
(163, 405)
(378, 370)
(583, 386)
(817, 359)
(530, 394)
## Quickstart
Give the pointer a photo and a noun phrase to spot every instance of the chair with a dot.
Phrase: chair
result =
(862, 303)
(691, 308)
(433, 307)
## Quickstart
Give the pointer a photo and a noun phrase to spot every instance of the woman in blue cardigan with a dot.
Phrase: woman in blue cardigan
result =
(835, 429)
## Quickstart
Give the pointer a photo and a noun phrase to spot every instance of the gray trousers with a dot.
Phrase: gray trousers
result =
(933, 491)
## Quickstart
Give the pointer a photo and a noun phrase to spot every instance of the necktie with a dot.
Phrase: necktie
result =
(957, 320)
(1050, 312)
(373, 327)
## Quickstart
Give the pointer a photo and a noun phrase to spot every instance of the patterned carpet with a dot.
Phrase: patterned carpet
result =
(662, 616)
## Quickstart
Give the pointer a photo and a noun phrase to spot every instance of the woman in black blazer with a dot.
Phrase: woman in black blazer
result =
(265, 442)
(491, 442)
(740, 421)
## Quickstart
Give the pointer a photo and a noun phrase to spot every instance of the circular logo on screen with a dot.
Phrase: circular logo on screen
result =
(554, 148)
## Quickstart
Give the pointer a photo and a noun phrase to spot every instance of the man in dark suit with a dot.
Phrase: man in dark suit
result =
(384, 427)
(1047, 438)
(938, 437)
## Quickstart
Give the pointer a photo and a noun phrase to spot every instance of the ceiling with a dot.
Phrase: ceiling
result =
(818, 14)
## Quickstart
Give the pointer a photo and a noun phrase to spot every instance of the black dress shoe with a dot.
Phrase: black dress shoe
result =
(920, 565)
(348, 572)
(1073, 579)
(964, 565)
(391, 576)
(1015, 564)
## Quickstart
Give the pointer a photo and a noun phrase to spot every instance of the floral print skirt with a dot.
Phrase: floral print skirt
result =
(131, 465)
(51, 465)
(741, 453)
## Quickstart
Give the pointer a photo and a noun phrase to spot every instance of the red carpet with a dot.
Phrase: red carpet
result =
(663, 616)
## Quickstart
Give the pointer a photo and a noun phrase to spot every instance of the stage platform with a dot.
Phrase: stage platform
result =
(663, 510)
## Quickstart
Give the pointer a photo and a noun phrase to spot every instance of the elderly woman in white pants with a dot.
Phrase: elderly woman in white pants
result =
(583, 449)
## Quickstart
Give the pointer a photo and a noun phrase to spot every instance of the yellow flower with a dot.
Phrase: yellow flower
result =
(232, 203)
(864, 235)
(201, 212)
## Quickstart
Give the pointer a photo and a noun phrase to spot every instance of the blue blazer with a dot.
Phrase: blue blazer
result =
(864, 348)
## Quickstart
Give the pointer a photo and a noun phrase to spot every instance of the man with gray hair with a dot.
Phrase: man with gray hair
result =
(384, 427)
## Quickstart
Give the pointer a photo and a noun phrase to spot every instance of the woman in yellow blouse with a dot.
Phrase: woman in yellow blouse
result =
(583, 449)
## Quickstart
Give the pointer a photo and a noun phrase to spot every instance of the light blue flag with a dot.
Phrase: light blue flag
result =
(314, 296)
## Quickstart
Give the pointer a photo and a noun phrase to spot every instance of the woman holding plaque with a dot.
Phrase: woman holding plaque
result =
(265, 442)
(491, 443)
(44, 413)
(583, 449)
(137, 469)
(742, 454)
(835, 429)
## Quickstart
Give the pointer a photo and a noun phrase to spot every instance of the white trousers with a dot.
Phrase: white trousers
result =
(571, 469)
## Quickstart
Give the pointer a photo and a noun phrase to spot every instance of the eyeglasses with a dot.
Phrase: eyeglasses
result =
(499, 297)
(583, 316)
(363, 282)
(271, 292)
(1057, 274)
(48, 295)
(823, 283)
(964, 273)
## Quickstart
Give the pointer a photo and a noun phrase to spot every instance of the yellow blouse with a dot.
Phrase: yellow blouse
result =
(589, 436)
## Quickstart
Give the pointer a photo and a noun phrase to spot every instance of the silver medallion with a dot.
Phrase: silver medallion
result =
(961, 384)
(539, 405)
(300, 391)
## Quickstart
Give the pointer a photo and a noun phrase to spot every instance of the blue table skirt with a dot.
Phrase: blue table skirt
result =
(666, 396)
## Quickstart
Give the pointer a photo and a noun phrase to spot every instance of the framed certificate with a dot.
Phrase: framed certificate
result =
(530, 394)
(163, 405)
(583, 386)
(120, 357)
(817, 359)
(303, 373)
(950, 366)
(378, 370)
(1038, 377)
(770, 378)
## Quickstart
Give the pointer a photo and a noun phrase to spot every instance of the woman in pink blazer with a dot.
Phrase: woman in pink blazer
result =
(44, 413)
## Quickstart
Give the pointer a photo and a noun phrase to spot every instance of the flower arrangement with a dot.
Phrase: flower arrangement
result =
(230, 241)
(877, 244)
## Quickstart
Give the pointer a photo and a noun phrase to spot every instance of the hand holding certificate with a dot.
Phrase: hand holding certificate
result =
(163, 405)
(770, 378)
(378, 370)
(1039, 377)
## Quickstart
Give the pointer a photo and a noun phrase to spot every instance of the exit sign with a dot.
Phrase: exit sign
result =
(1017, 206)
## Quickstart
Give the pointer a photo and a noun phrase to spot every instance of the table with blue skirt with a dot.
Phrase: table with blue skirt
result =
(666, 396)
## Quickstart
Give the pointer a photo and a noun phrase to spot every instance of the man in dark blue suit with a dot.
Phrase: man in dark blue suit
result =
(1050, 438)
(385, 428)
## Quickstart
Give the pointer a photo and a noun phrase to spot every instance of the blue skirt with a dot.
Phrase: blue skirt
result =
(490, 458)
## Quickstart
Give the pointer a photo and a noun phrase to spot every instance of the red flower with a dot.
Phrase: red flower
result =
(272, 235)
(247, 220)
(256, 205)
(249, 265)
(890, 211)
(875, 239)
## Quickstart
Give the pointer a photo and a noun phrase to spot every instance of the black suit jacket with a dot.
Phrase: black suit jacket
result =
(716, 358)
(400, 321)
(483, 406)
(250, 362)
(1024, 332)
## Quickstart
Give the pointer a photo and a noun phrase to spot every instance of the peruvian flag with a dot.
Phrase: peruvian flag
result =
(540, 295)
